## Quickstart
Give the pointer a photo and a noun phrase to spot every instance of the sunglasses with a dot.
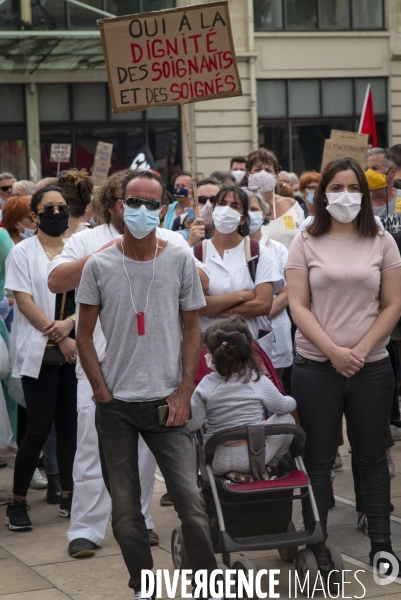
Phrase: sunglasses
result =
(49, 209)
(138, 202)
(204, 199)
(6, 188)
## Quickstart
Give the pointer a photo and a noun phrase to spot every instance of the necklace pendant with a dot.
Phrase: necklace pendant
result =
(140, 319)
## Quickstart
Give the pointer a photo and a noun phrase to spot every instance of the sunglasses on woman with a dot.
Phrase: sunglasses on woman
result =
(49, 209)
(138, 202)
(204, 199)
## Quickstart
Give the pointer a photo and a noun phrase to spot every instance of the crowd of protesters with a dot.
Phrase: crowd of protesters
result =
(117, 299)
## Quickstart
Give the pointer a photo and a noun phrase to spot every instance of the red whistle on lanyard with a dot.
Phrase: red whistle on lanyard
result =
(140, 319)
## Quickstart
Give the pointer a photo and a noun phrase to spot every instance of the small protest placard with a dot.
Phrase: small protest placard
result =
(170, 57)
(345, 143)
(60, 153)
(101, 163)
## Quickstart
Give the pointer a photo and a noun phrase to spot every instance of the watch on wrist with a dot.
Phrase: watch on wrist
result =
(73, 318)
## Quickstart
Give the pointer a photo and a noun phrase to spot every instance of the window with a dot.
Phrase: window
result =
(12, 130)
(9, 14)
(13, 151)
(12, 105)
(54, 102)
(80, 115)
(296, 116)
(311, 15)
(89, 102)
(63, 14)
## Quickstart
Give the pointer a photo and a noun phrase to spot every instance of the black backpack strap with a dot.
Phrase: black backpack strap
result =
(256, 450)
(252, 253)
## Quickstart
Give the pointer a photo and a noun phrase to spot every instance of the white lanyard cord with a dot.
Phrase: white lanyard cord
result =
(129, 281)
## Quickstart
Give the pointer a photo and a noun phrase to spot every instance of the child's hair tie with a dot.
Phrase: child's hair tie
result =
(224, 343)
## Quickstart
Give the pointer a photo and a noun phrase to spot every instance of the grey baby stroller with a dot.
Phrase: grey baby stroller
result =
(256, 515)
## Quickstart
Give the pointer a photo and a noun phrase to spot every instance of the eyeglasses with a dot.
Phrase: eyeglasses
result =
(138, 202)
(6, 188)
(204, 199)
(49, 209)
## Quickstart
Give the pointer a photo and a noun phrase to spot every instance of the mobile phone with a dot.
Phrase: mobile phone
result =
(263, 332)
(163, 414)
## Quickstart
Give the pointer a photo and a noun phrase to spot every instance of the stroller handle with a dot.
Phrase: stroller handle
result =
(242, 433)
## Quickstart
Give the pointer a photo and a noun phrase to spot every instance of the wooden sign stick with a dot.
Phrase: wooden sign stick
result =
(191, 160)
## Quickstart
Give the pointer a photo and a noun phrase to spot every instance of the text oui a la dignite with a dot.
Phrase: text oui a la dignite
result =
(170, 66)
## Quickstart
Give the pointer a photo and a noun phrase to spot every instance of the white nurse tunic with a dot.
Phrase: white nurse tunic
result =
(231, 274)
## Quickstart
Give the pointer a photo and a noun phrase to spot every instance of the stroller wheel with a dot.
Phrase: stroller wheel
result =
(334, 581)
(246, 566)
(289, 554)
(307, 570)
(178, 552)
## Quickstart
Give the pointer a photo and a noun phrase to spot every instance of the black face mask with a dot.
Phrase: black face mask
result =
(53, 225)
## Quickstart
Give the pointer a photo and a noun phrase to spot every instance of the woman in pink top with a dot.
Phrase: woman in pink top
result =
(344, 286)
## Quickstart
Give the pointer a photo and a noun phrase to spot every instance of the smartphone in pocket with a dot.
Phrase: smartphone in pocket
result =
(163, 411)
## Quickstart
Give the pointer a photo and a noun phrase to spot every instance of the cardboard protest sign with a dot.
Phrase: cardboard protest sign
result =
(170, 57)
(60, 153)
(349, 136)
(345, 143)
(101, 163)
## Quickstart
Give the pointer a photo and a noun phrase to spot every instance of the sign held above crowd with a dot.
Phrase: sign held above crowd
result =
(60, 153)
(170, 57)
(345, 143)
(101, 163)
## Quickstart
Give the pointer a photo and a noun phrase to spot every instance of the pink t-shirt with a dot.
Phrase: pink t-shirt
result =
(344, 278)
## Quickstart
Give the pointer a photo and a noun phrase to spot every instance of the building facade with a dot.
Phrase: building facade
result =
(304, 65)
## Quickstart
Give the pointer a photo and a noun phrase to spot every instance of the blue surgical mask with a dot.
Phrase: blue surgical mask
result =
(27, 233)
(141, 221)
(310, 197)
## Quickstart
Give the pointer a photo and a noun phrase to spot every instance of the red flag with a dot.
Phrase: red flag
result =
(368, 121)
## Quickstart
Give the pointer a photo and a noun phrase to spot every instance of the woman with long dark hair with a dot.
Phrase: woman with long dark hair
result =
(344, 285)
(43, 353)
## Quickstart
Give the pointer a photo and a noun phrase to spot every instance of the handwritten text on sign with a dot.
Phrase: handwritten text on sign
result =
(170, 57)
(60, 153)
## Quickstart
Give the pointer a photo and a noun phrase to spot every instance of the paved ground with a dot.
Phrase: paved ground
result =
(36, 566)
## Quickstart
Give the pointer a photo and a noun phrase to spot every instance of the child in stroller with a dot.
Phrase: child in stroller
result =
(253, 515)
(237, 393)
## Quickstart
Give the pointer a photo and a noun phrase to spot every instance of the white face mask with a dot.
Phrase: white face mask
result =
(208, 359)
(238, 174)
(344, 206)
(255, 221)
(205, 213)
(27, 233)
(225, 219)
(263, 181)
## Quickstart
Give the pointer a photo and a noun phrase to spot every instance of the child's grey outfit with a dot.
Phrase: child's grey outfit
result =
(234, 403)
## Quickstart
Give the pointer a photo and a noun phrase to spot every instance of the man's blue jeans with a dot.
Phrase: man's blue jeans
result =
(118, 425)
